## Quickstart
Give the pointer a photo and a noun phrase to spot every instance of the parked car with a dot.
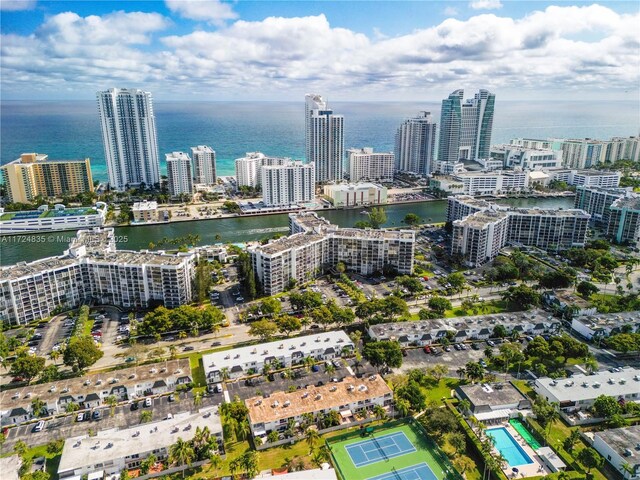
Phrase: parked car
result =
(426, 349)
(80, 417)
(171, 398)
(39, 426)
(148, 402)
(96, 415)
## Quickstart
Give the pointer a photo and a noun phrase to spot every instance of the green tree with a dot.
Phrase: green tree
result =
(383, 353)
(202, 280)
(287, 324)
(264, 329)
(81, 352)
(112, 402)
(181, 453)
(458, 441)
(586, 289)
(439, 305)
(146, 416)
(27, 366)
(590, 458)
(523, 296)
(272, 436)
(413, 394)
(312, 437)
(270, 306)
(606, 407)
(571, 440)
(377, 217)
(411, 219)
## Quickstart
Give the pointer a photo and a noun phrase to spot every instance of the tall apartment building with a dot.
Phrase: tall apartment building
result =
(583, 153)
(34, 174)
(129, 137)
(597, 200)
(465, 127)
(415, 144)
(481, 229)
(365, 164)
(179, 175)
(318, 246)
(92, 270)
(514, 156)
(249, 167)
(624, 220)
(204, 165)
(290, 184)
(324, 139)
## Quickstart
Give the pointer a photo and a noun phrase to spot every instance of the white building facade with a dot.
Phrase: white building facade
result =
(415, 144)
(129, 137)
(324, 139)
(356, 195)
(290, 184)
(365, 164)
(204, 165)
(179, 174)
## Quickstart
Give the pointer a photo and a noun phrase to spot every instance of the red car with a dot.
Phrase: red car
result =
(427, 349)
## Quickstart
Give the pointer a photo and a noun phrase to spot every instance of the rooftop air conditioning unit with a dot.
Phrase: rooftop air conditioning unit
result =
(318, 396)
(286, 404)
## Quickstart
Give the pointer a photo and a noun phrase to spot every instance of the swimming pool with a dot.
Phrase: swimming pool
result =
(508, 447)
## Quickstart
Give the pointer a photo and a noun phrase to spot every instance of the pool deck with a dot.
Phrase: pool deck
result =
(534, 469)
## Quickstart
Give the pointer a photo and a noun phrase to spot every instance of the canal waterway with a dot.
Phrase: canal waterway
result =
(20, 248)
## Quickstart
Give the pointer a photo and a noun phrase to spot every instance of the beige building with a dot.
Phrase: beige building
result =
(356, 194)
(145, 211)
(35, 174)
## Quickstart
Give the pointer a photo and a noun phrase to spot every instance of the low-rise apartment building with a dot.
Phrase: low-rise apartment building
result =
(601, 325)
(316, 246)
(515, 156)
(578, 392)
(91, 390)
(349, 397)
(482, 183)
(110, 452)
(586, 178)
(146, 211)
(355, 194)
(493, 402)
(51, 220)
(621, 448)
(92, 270)
(244, 361)
(479, 327)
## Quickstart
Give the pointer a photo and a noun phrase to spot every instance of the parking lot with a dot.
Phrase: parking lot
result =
(262, 386)
(123, 417)
(416, 358)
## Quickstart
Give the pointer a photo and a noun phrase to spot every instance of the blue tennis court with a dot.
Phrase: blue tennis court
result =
(379, 448)
(415, 472)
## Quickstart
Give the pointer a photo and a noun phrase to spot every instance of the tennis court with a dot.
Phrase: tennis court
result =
(415, 472)
(379, 448)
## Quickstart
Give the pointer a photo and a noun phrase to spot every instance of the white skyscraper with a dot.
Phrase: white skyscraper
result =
(249, 167)
(179, 173)
(415, 144)
(204, 164)
(129, 137)
(365, 164)
(289, 184)
(324, 138)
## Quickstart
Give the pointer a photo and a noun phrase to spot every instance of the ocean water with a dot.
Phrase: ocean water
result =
(71, 129)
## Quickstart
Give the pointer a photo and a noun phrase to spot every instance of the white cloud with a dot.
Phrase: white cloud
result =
(214, 12)
(451, 11)
(486, 4)
(589, 48)
(15, 5)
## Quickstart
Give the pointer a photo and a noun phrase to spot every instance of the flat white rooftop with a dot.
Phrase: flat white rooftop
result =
(83, 451)
(588, 387)
(279, 348)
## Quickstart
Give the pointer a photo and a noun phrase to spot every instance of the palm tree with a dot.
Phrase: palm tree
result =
(272, 437)
(216, 462)
(197, 399)
(147, 463)
(312, 438)
(173, 352)
(55, 355)
(380, 412)
(20, 448)
(249, 461)
(234, 466)
(329, 368)
(181, 453)
(243, 430)
(225, 373)
(112, 401)
(402, 407)
(464, 406)
(146, 416)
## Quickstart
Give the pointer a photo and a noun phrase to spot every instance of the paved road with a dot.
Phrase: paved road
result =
(123, 417)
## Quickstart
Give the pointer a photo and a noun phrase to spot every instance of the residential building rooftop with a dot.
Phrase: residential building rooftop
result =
(282, 405)
(292, 241)
(50, 392)
(495, 394)
(586, 387)
(482, 218)
(113, 444)
(24, 269)
(622, 439)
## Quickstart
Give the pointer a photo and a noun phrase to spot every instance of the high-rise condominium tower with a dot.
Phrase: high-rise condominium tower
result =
(129, 137)
(179, 173)
(324, 135)
(204, 164)
(415, 144)
(465, 127)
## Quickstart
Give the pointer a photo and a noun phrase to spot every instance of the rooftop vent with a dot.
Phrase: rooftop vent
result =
(286, 404)
(275, 404)
(318, 396)
(333, 389)
(153, 370)
(596, 385)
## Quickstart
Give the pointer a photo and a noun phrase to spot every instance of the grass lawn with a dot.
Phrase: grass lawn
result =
(197, 370)
(52, 459)
(442, 390)
(426, 452)
(494, 306)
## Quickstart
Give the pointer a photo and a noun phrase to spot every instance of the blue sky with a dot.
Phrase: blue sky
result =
(270, 50)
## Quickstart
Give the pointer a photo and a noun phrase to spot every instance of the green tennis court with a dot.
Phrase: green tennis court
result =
(410, 454)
